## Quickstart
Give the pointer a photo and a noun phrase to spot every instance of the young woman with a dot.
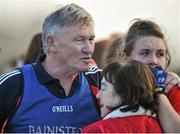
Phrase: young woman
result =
(146, 43)
(129, 92)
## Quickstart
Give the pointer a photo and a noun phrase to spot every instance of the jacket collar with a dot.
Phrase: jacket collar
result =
(117, 113)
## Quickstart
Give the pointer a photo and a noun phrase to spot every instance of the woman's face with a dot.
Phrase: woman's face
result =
(149, 50)
(107, 97)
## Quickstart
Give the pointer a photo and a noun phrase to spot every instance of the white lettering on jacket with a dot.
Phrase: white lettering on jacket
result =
(53, 129)
(65, 108)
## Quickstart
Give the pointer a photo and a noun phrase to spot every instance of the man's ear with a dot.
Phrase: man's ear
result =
(51, 44)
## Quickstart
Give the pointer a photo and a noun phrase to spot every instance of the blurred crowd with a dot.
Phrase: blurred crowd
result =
(105, 51)
(34, 49)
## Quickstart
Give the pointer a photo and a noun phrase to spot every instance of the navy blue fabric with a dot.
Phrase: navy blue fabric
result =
(161, 76)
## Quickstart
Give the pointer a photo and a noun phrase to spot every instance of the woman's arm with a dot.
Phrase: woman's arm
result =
(168, 117)
(172, 80)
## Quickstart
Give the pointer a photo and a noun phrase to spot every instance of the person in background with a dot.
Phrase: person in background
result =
(146, 43)
(99, 51)
(13, 63)
(57, 94)
(105, 49)
(128, 91)
(35, 49)
(112, 49)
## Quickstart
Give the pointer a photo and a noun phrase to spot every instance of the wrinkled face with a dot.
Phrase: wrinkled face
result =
(74, 46)
(149, 50)
(107, 97)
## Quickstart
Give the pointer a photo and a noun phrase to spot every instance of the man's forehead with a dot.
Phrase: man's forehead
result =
(76, 32)
(76, 27)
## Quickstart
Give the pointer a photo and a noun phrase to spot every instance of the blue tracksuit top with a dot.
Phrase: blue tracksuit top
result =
(42, 112)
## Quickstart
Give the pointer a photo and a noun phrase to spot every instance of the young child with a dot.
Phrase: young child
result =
(128, 100)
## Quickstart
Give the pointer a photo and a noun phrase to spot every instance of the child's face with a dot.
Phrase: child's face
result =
(107, 97)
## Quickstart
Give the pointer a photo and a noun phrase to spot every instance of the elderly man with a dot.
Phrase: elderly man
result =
(57, 93)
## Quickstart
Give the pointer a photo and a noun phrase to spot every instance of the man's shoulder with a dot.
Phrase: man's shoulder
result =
(10, 90)
(94, 73)
(94, 76)
(93, 70)
(10, 76)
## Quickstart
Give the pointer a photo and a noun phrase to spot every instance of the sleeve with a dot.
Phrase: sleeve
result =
(10, 90)
(174, 98)
(91, 129)
(94, 76)
(94, 79)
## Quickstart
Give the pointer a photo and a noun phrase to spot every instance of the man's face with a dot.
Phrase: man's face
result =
(75, 46)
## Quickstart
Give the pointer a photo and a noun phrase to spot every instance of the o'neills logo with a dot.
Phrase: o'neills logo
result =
(65, 108)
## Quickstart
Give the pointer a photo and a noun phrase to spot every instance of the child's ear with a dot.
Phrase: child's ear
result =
(122, 56)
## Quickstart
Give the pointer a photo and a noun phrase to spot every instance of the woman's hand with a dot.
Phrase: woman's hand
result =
(172, 80)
